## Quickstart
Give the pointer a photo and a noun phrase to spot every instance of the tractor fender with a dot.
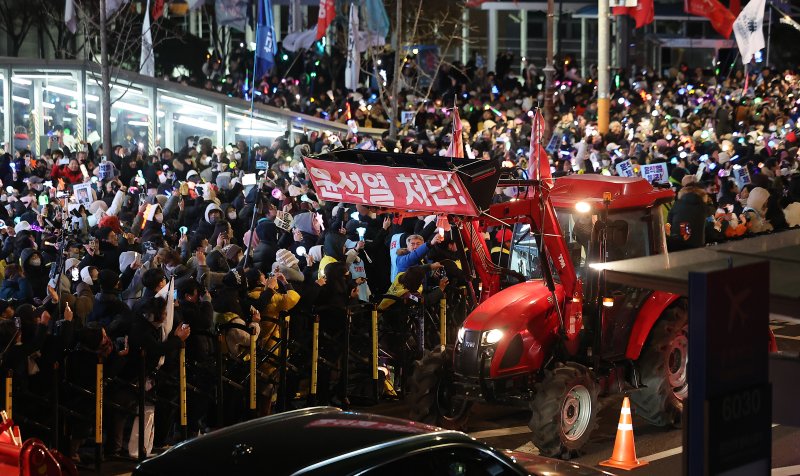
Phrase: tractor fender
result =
(648, 314)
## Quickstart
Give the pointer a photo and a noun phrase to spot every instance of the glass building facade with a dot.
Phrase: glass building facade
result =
(38, 98)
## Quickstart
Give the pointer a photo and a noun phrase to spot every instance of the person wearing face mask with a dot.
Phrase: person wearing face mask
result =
(213, 214)
(238, 226)
(35, 271)
(154, 221)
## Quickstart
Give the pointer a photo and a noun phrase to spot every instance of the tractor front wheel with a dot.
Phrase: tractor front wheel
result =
(564, 411)
(663, 366)
(432, 395)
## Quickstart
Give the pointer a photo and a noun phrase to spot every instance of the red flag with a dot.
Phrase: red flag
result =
(326, 13)
(539, 162)
(456, 148)
(721, 18)
(158, 9)
(643, 12)
(736, 7)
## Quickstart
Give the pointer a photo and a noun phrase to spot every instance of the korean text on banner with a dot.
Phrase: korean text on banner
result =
(401, 188)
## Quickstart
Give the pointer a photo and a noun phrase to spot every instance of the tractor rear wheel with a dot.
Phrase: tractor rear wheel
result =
(432, 396)
(663, 365)
(564, 411)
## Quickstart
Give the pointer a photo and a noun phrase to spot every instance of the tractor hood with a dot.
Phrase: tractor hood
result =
(512, 308)
(526, 316)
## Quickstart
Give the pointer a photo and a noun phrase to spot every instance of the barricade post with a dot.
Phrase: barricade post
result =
(142, 394)
(252, 390)
(98, 414)
(220, 382)
(443, 322)
(314, 362)
(282, 395)
(182, 391)
(374, 332)
(56, 404)
(9, 398)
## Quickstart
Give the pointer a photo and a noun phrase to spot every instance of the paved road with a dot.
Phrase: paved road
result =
(505, 427)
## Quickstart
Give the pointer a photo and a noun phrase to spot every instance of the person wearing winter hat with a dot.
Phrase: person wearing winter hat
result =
(756, 210)
(287, 264)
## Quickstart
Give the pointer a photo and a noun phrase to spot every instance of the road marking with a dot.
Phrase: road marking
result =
(514, 430)
(786, 470)
(663, 454)
(778, 336)
(679, 450)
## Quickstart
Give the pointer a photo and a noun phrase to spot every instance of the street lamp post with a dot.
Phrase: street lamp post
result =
(549, 73)
(603, 41)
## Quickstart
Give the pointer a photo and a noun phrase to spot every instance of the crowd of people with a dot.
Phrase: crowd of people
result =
(92, 246)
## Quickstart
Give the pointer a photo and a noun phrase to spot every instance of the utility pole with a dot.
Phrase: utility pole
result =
(105, 72)
(549, 73)
(603, 41)
(398, 68)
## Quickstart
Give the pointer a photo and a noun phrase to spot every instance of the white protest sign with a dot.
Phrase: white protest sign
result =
(655, 173)
(742, 176)
(625, 169)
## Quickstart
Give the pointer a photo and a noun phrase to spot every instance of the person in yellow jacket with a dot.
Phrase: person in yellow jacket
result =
(410, 282)
(265, 293)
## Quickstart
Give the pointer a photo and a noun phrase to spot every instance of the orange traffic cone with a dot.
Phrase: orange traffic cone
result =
(624, 456)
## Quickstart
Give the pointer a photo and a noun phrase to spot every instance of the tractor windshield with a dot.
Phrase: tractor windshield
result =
(630, 234)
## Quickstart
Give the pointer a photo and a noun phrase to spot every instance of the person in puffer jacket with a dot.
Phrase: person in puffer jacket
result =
(687, 219)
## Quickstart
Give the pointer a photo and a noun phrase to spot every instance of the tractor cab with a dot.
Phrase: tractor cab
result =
(632, 220)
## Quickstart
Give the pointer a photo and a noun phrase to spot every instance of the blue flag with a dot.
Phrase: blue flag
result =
(265, 40)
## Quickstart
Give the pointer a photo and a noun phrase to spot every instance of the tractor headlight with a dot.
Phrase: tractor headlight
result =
(461, 333)
(491, 337)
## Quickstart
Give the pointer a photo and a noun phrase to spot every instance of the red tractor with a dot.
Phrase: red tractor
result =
(563, 336)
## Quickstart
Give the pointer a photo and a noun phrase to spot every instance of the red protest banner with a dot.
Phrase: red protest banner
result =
(401, 188)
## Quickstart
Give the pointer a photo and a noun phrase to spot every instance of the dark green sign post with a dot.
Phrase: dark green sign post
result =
(728, 416)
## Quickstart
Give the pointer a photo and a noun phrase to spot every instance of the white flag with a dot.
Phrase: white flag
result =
(300, 39)
(353, 69)
(749, 30)
(112, 6)
(70, 16)
(147, 63)
(195, 4)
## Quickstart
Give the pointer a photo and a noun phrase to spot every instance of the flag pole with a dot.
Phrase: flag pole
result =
(252, 101)
(769, 35)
